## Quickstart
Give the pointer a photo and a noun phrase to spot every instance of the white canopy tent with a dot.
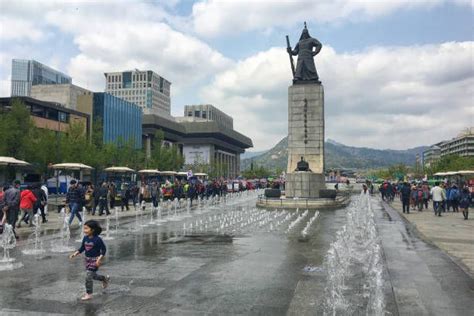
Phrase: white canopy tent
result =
(10, 161)
(119, 170)
(149, 171)
(71, 166)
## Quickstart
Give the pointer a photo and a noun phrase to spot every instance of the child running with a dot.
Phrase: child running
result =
(95, 250)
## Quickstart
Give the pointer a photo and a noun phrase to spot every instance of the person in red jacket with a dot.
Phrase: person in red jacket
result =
(27, 200)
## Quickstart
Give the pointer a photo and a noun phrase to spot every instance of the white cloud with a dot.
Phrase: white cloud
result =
(14, 29)
(212, 18)
(111, 36)
(385, 97)
(109, 40)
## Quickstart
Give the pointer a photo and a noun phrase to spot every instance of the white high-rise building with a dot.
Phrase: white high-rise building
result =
(146, 88)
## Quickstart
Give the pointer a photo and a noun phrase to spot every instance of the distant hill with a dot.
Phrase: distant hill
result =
(338, 156)
(251, 154)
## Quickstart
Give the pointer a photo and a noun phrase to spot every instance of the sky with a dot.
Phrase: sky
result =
(396, 73)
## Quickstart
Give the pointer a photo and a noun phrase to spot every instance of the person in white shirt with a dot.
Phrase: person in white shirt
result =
(438, 195)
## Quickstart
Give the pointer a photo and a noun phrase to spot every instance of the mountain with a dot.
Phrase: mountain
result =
(251, 154)
(338, 156)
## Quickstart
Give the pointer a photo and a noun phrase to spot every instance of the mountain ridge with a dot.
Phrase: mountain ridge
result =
(338, 156)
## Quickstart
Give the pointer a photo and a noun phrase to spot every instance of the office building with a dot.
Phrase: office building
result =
(28, 73)
(431, 155)
(64, 94)
(147, 89)
(121, 120)
(462, 144)
(206, 113)
(49, 115)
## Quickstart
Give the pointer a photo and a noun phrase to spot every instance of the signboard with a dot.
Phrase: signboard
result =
(196, 154)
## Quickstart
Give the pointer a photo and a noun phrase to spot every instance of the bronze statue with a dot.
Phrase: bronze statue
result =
(302, 165)
(305, 69)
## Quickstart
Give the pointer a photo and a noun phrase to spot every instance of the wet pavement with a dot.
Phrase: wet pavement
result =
(235, 260)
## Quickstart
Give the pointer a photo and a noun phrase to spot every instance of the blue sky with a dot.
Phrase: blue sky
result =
(384, 64)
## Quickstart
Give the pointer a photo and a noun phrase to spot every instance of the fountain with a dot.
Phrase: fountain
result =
(355, 257)
(8, 243)
(65, 235)
(38, 243)
(81, 236)
(304, 233)
(107, 229)
(116, 220)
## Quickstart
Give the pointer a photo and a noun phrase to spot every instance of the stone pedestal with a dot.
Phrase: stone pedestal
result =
(305, 139)
(306, 126)
(304, 184)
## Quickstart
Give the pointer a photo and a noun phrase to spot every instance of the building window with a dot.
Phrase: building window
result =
(197, 113)
(204, 114)
(190, 113)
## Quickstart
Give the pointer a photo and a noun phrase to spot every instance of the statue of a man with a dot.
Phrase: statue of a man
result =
(305, 68)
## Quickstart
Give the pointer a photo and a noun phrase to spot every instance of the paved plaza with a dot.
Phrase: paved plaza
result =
(450, 232)
(264, 268)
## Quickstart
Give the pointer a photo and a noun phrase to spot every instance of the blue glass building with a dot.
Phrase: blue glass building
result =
(27, 73)
(121, 120)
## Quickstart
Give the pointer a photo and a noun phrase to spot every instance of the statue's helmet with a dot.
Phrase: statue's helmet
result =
(305, 33)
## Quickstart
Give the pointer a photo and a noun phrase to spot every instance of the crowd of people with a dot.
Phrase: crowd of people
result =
(18, 207)
(445, 196)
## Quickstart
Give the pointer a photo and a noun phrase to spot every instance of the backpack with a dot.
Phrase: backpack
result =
(454, 194)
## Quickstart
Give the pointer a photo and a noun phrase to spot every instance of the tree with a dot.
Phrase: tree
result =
(451, 163)
(16, 130)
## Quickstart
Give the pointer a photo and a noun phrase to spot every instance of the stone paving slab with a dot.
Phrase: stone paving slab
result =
(425, 280)
(450, 232)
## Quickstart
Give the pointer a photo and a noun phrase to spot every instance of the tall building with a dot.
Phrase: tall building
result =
(64, 94)
(121, 120)
(431, 154)
(462, 145)
(28, 73)
(147, 89)
(206, 113)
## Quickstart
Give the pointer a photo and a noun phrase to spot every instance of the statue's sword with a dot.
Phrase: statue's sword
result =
(291, 57)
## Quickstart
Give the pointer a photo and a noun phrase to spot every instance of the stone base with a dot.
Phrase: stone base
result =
(341, 200)
(304, 184)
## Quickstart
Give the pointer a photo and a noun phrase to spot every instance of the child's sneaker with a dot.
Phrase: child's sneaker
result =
(86, 297)
(106, 281)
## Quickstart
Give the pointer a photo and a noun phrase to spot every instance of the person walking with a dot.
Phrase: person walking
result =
(413, 196)
(405, 192)
(95, 249)
(448, 203)
(27, 201)
(3, 214)
(465, 201)
(439, 196)
(75, 200)
(89, 198)
(454, 196)
(41, 200)
(155, 193)
(426, 194)
(102, 194)
(112, 195)
(12, 204)
(419, 197)
(125, 197)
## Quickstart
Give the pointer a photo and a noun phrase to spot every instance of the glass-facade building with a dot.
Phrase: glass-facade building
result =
(27, 73)
(121, 120)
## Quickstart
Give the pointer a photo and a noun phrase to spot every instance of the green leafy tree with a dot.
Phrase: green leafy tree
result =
(451, 163)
